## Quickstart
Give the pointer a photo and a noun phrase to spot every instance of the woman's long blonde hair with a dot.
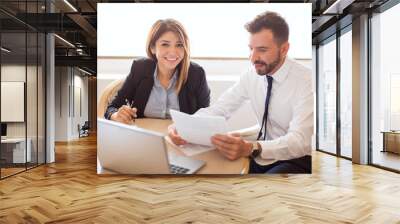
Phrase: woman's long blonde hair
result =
(157, 30)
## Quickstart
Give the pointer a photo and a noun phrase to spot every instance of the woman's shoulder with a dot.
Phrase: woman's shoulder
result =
(144, 62)
(196, 75)
(196, 68)
(142, 67)
(194, 65)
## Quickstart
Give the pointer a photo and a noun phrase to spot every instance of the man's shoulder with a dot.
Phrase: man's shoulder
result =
(299, 71)
(250, 77)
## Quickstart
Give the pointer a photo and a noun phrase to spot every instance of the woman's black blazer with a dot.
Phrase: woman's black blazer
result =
(137, 87)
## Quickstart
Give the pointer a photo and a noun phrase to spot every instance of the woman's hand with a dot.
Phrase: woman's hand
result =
(174, 136)
(125, 114)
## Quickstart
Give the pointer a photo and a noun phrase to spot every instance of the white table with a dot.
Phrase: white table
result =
(215, 162)
(18, 150)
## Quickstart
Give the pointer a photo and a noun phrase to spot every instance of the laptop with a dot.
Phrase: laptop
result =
(129, 149)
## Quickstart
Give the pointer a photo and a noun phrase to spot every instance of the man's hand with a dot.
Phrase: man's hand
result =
(232, 146)
(174, 136)
(125, 114)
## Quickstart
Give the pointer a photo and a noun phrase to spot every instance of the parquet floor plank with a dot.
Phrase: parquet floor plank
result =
(70, 191)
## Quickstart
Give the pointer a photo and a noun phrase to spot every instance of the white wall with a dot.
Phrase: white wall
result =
(221, 74)
(79, 117)
(67, 113)
(34, 124)
(220, 33)
(14, 73)
(62, 80)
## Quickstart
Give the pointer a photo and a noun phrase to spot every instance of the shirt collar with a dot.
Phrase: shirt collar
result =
(282, 72)
(157, 81)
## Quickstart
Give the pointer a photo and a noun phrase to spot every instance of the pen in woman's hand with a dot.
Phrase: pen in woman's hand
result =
(127, 103)
(130, 105)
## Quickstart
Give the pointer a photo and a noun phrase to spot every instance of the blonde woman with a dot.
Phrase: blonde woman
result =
(166, 80)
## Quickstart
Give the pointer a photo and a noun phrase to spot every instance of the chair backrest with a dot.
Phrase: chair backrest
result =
(108, 95)
(86, 125)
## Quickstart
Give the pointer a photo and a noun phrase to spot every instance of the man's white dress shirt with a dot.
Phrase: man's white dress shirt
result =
(290, 118)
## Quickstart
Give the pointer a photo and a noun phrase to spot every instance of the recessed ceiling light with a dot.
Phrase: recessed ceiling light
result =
(5, 50)
(64, 40)
(70, 5)
(86, 72)
(337, 7)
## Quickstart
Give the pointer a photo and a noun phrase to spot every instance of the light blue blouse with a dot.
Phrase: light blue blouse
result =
(161, 100)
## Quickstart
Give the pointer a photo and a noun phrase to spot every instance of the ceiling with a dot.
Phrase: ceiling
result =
(76, 22)
(77, 25)
(332, 15)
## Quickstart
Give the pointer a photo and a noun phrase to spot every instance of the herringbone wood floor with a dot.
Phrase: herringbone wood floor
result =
(69, 191)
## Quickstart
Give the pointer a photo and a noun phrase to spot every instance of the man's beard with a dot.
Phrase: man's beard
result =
(267, 68)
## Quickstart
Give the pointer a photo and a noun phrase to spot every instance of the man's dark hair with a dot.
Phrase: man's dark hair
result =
(272, 21)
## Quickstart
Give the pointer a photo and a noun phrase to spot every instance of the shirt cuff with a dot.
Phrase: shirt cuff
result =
(267, 148)
(110, 113)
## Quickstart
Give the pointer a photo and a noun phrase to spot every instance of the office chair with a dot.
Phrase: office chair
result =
(84, 130)
(108, 95)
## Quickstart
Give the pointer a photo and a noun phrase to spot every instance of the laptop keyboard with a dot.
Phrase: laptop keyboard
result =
(177, 169)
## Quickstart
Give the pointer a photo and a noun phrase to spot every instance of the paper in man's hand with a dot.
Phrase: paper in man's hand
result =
(198, 129)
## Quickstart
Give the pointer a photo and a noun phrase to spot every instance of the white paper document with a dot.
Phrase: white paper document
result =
(198, 129)
(190, 149)
(193, 149)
